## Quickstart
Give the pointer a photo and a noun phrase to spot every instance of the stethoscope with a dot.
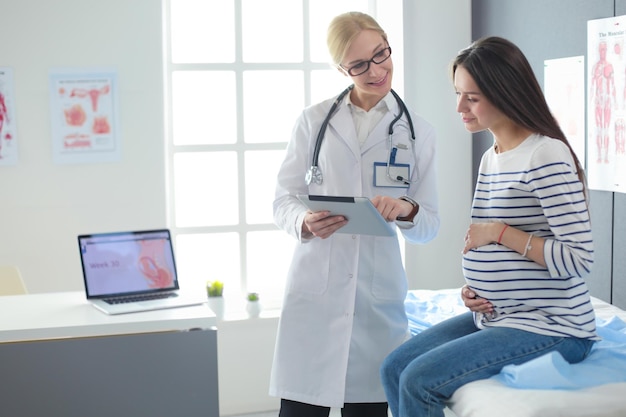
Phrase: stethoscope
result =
(314, 174)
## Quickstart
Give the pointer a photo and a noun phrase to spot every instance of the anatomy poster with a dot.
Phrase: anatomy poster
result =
(8, 137)
(564, 87)
(84, 116)
(606, 110)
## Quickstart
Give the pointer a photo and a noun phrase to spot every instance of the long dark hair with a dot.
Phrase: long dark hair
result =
(504, 76)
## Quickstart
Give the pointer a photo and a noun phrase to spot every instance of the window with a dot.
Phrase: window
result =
(238, 74)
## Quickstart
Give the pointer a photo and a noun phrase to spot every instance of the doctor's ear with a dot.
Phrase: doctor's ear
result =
(341, 70)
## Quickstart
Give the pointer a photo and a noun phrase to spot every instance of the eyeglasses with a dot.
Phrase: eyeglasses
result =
(363, 66)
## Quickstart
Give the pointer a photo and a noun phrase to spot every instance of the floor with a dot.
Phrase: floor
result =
(333, 413)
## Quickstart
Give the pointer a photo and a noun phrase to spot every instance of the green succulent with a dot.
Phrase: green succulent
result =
(253, 296)
(214, 288)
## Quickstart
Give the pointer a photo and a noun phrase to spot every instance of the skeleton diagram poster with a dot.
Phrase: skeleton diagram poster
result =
(8, 137)
(84, 116)
(606, 109)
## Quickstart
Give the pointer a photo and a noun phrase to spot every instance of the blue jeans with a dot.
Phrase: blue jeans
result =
(423, 373)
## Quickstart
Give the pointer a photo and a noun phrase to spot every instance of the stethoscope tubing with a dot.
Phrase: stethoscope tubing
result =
(403, 110)
(322, 131)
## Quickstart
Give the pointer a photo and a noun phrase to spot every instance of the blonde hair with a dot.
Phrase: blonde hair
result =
(344, 28)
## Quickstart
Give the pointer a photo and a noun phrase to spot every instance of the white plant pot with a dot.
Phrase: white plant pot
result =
(217, 305)
(253, 308)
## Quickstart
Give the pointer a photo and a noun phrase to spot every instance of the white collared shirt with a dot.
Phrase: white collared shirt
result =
(365, 121)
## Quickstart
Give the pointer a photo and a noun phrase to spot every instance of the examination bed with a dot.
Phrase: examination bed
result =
(547, 386)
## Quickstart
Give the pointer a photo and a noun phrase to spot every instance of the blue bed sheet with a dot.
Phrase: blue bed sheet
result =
(425, 308)
(605, 364)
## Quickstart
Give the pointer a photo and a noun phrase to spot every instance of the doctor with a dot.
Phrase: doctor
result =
(343, 309)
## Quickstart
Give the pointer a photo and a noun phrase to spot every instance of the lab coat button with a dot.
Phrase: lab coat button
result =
(350, 276)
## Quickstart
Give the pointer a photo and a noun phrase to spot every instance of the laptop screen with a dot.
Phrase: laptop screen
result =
(127, 263)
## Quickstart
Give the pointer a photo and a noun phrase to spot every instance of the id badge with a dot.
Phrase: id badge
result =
(384, 178)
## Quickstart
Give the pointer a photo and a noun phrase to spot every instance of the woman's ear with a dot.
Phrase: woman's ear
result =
(343, 71)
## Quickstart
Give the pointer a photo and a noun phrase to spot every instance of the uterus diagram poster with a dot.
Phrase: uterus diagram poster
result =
(84, 116)
(8, 135)
(606, 104)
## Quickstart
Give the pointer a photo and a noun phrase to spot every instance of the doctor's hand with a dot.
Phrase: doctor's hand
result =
(321, 224)
(475, 303)
(391, 208)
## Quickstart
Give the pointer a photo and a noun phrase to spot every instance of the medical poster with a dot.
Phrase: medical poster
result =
(564, 88)
(606, 109)
(84, 115)
(8, 136)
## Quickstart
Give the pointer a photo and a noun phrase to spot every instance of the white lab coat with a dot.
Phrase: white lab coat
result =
(343, 310)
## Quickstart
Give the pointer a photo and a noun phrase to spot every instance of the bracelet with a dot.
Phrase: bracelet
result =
(502, 233)
(528, 247)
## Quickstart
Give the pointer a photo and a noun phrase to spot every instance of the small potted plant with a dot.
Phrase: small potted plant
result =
(253, 306)
(214, 290)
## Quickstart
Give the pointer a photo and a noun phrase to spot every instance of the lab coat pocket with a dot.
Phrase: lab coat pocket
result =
(389, 280)
(310, 268)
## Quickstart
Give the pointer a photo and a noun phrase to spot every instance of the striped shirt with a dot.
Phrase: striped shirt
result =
(534, 188)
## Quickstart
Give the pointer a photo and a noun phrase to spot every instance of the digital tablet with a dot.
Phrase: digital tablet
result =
(363, 218)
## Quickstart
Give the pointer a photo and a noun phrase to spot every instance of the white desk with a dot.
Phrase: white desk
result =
(68, 314)
(61, 356)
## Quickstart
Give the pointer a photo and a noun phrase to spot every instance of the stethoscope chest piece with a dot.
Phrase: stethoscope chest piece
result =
(313, 175)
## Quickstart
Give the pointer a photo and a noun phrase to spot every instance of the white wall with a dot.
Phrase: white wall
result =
(245, 349)
(44, 205)
(59, 202)
(435, 30)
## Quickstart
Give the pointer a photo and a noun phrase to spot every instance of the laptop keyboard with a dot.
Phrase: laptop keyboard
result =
(137, 298)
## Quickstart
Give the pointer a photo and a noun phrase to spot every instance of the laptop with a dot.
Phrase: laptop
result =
(128, 272)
